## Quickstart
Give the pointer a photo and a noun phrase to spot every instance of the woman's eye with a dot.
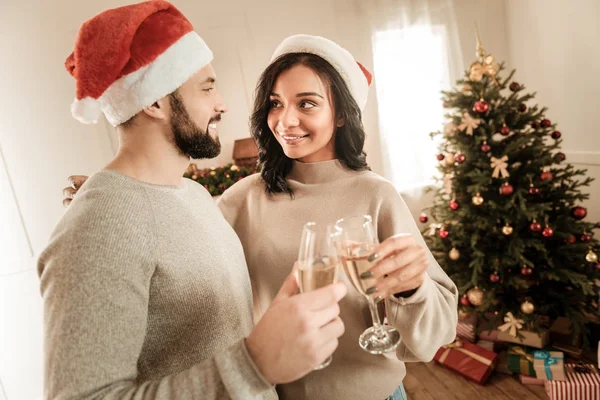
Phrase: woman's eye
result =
(275, 103)
(307, 104)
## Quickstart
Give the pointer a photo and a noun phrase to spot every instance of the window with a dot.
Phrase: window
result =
(411, 68)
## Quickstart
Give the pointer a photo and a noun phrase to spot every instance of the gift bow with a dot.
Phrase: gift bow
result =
(500, 165)
(548, 360)
(512, 324)
(487, 67)
(457, 345)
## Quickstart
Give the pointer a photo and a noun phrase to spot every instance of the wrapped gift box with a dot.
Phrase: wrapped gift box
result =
(549, 365)
(466, 327)
(528, 380)
(531, 339)
(582, 383)
(469, 360)
(520, 361)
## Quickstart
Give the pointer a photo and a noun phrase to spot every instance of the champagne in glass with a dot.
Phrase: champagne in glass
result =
(358, 242)
(318, 260)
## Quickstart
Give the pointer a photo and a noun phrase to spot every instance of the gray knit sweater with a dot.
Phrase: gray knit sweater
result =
(146, 296)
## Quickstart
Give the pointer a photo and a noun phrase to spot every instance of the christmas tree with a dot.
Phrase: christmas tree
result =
(508, 225)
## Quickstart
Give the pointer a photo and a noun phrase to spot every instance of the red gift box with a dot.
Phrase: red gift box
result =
(469, 360)
(583, 383)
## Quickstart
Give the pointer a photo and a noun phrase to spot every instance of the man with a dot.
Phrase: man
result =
(146, 292)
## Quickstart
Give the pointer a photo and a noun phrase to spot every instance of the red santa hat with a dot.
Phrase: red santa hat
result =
(127, 58)
(356, 76)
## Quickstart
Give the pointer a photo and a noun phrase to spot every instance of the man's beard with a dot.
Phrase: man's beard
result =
(192, 140)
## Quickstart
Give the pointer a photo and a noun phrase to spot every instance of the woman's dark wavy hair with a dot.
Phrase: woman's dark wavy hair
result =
(349, 138)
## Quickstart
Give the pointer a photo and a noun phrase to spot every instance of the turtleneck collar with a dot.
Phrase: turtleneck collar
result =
(319, 172)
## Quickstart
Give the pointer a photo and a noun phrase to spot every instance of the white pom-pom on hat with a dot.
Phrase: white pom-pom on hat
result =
(86, 110)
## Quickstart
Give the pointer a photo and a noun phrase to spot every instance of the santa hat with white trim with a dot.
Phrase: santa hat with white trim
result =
(356, 76)
(127, 58)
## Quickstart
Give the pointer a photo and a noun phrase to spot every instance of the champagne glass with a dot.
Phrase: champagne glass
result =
(318, 260)
(357, 244)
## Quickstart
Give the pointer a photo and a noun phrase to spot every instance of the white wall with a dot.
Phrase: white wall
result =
(555, 47)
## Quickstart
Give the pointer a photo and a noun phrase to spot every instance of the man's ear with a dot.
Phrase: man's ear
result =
(159, 109)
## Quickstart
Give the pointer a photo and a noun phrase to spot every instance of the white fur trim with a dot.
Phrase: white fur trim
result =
(133, 92)
(340, 58)
(86, 110)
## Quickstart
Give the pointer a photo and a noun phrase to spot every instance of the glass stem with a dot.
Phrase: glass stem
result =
(374, 313)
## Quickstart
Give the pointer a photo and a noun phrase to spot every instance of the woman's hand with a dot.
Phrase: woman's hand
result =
(69, 192)
(400, 267)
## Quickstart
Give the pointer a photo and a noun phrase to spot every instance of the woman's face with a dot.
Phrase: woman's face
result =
(301, 115)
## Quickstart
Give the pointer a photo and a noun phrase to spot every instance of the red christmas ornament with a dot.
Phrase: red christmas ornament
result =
(505, 130)
(578, 212)
(423, 218)
(535, 226)
(465, 301)
(460, 158)
(514, 86)
(585, 238)
(481, 107)
(571, 239)
(556, 135)
(443, 233)
(485, 147)
(560, 157)
(546, 123)
(535, 125)
(454, 205)
(522, 107)
(548, 232)
(546, 176)
(440, 157)
(506, 189)
(533, 190)
(494, 278)
(526, 271)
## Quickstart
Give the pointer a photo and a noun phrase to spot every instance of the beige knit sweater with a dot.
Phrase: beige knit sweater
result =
(270, 229)
(146, 296)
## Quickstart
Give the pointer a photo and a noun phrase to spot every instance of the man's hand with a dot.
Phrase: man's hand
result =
(69, 192)
(297, 332)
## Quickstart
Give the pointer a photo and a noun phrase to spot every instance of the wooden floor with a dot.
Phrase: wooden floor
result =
(430, 381)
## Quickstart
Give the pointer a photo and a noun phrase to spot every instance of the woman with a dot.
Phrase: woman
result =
(307, 123)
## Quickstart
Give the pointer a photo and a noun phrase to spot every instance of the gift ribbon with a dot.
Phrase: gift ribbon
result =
(521, 351)
(512, 323)
(457, 345)
(548, 360)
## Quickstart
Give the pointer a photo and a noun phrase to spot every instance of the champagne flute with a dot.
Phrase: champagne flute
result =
(318, 260)
(358, 242)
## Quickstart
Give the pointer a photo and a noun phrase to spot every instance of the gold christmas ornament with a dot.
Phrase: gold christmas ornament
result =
(235, 168)
(467, 89)
(449, 158)
(499, 165)
(527, 307)
(469, 123)
(507, 230)
(591, 257)
(511, 324)
(454, 254)
(475, 296)
(477, 199)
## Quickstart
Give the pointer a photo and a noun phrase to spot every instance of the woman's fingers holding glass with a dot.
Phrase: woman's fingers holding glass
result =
(395, 262)
(404, 279)
(392, 245)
